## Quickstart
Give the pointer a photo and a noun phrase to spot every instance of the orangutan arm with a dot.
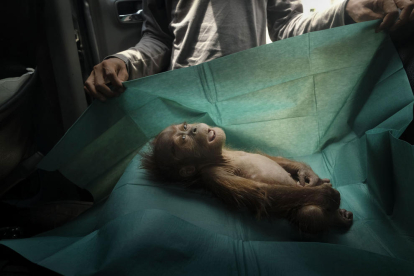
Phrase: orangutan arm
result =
(300, 171)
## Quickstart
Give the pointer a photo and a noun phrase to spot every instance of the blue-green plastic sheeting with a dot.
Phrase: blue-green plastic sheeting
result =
(336, 99)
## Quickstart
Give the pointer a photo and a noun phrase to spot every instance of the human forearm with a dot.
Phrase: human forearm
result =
(150, 56)
(295, 22)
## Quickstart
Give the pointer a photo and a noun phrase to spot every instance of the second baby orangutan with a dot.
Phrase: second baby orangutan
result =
(267, 185)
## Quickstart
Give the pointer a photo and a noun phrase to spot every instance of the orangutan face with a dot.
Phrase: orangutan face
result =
(190, 141)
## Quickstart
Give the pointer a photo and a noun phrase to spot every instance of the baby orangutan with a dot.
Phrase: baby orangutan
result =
(264, 184)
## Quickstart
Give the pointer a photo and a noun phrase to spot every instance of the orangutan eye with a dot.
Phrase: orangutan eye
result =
(185, 126)
(184, 137)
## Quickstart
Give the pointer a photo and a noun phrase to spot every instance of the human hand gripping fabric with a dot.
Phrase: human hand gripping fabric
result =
(112, 70)
(365, 10)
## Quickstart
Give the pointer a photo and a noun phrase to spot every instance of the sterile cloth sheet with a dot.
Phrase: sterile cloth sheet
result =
(337, 99)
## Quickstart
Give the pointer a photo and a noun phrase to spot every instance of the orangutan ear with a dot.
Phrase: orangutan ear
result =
(187, 171)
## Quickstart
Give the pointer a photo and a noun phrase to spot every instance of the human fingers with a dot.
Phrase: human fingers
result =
(368, 14)
(115, 81)
(389, 8)
(90, 88)
(407, 7)
(100, 83)
(388, 22)
(364, 10)
(123, 76)
(111, 70)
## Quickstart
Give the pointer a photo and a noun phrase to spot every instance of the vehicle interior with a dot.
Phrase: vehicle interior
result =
(60, 41)
(48, 49)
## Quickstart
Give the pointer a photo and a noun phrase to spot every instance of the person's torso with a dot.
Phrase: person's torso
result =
(208, 29)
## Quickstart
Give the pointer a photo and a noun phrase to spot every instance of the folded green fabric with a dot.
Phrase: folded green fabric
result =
(336, 99)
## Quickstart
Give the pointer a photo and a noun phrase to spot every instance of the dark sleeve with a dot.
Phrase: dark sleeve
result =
(152, 53)
(286, 19)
